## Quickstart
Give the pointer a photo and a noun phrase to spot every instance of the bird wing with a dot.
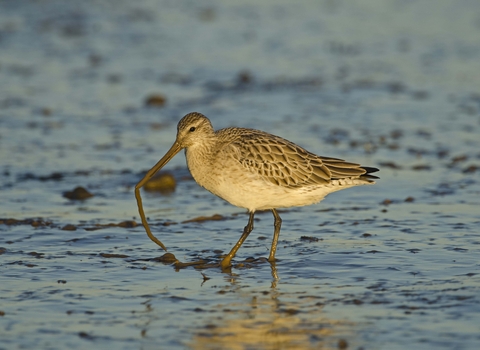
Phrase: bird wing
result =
(286, 164)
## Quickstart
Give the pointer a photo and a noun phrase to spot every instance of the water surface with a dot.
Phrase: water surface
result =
(390, 84)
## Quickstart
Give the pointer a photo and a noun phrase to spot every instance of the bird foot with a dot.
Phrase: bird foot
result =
(226, 263)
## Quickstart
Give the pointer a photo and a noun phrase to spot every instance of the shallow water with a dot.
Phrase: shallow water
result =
(390, 84)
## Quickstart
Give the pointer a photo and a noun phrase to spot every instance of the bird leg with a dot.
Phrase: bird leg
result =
(277, 224)
(227, 261)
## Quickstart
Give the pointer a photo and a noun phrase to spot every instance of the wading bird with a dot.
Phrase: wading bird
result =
(255, 170)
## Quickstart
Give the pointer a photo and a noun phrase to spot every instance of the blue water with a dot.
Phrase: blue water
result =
(390, 84)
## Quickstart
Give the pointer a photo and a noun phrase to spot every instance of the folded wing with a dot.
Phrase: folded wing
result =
(286, 164)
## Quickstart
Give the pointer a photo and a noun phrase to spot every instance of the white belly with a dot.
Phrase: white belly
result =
(254, 193)
(246, 189)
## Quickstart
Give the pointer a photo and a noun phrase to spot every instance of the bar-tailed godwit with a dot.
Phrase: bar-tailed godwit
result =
(255, 170)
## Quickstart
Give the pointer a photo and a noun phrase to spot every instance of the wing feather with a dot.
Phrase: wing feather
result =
(284, 163)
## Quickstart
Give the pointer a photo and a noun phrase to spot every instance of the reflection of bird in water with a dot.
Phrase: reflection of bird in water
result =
(273, 320)
(255, 170)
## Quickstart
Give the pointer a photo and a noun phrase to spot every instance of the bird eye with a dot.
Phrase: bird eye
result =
(192, 129)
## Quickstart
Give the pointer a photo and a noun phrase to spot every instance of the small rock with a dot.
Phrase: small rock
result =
(69, 227)
(342, 344)
(35, 223)
(291, 311)
(46, 111)
(85, 335)
(168, 223)
(470, 169)
(127, 224)
(155, 100)
(166, 258)
(421, 167)
(164, 183)
(244, 77)
(79, 193)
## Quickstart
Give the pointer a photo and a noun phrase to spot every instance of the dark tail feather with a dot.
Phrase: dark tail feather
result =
(368, 171)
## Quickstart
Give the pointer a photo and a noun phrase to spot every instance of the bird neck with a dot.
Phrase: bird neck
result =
(200, 152)
(199, 159)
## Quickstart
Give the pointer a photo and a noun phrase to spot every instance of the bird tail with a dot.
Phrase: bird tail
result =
(368, 173)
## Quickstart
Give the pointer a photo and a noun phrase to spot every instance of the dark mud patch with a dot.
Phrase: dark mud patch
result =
(215, 217)
(122, 224)
(114, 256)
(34, 222)
(55, 176)
(41, 222)
(310, 239)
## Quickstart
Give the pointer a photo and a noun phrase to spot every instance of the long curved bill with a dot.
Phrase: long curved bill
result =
(165, 159)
